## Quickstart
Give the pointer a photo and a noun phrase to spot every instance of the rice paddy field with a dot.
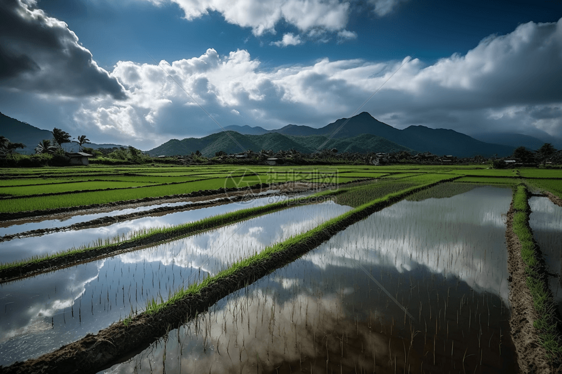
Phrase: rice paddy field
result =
(285, 269)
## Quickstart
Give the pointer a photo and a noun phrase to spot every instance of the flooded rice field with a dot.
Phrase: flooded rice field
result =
(42, 313)
(420, 286)
(67, 219)
(546, 223)
(27, 247)
(41, 223)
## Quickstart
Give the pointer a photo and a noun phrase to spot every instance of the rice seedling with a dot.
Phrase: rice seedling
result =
(88, 297)
(322, 313)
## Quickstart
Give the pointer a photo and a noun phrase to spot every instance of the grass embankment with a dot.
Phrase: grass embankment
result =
(32, 266)
(551, 185)
(96, 352)
(547, 324)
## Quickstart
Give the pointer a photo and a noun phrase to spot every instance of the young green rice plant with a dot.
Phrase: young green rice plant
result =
(546, 324)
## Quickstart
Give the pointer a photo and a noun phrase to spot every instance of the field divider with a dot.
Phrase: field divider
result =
(535, 327)
(15, 197)
(50, 262)
(97, 352)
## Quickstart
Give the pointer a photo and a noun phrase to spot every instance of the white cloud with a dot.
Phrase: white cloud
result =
(383, 7)
(262, 16)
(347, 35)
(506, 83)
(288, 39)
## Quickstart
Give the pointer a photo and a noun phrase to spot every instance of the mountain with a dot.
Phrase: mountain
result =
(223, 141)
(22, 132)
(510, 139)
(247, 130)
(419, 138)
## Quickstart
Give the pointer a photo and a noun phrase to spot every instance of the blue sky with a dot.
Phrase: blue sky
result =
(138, 71)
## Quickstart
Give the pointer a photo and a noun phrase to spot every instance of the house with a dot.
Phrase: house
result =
(273, 161)
(79, 158)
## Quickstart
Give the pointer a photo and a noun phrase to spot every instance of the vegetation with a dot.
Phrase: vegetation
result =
(551, 185)
(547, 324)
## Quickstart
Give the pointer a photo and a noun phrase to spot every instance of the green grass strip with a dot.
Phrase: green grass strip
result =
(150, 236)
(546, 323)
(154, 306)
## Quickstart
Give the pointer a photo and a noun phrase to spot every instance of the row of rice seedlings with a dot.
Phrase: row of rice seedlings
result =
(155, 306)
(142, 236)
(104, 197)
(491, 181)
(91, 296)
(67, 187)
(321, 313)
(546, 222)
(553, 186)
(546, 324)
(541, 173)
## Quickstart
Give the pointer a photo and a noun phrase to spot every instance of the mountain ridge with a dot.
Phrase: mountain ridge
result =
(21, 132)
(223, 141)
(417, 137)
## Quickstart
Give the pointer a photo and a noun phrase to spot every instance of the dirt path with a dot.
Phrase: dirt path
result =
(531, 356)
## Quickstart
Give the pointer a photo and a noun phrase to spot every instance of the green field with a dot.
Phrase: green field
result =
(161, 181)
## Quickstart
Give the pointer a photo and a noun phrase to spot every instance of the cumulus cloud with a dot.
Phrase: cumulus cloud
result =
(288, 39)
(39, 53)
(346, 34)
(506, 83)
(262, 16)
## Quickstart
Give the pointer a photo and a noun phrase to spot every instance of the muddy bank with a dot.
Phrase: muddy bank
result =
(96, 352)
(531, 356)
(552, 197)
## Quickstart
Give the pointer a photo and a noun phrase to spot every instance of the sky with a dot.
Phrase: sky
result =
(140, 72)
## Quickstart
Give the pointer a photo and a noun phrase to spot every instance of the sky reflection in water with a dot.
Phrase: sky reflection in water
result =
(417, 250)
(86, 298)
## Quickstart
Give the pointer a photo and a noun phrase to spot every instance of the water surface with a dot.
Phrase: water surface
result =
(40, 314)
(417, 287)
(546, 222)
(27, 247)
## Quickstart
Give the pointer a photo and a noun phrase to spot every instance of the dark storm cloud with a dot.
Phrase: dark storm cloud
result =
(40, 54)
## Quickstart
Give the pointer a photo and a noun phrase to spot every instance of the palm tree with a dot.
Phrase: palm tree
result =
(45, 147)
(81, 140)
(61, 136)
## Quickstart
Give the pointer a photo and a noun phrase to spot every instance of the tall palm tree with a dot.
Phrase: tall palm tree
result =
(61, 136)
(81, 140)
